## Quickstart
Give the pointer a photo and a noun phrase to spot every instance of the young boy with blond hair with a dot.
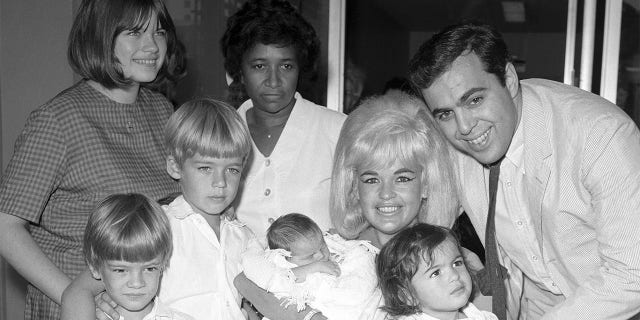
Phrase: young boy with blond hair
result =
(127, 246)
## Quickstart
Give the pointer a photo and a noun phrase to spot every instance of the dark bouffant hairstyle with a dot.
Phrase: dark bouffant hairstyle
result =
(269, 22)
(437, 54)
(399, 260)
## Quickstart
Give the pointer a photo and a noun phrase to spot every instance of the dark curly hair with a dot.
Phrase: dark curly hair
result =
(399, 260)
(269, 22)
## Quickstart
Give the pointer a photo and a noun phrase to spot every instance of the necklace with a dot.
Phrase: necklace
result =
(275, 130)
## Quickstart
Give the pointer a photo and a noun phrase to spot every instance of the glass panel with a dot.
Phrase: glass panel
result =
(382, 35)
(628, 97)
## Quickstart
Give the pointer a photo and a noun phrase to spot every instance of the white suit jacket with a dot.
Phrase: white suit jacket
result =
(582, 164)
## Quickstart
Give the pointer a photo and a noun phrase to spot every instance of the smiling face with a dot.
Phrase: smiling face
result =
(208, 184)
(476, 113)
(132, 285)
(141, 53)
(309, 250)
(443, 286)
(270, 76)
(390, 196)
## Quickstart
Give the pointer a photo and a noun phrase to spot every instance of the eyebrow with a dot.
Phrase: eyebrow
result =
(462, 99)
(404, 170)
(432, 267)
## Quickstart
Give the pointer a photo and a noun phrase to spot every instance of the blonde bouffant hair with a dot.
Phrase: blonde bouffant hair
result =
(382, 130)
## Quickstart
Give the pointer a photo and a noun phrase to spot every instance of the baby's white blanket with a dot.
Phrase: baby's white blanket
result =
(343, 297)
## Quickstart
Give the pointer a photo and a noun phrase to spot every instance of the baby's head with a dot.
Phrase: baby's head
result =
(421, 269)
(299, 235)
(207, 146)
(127, 245)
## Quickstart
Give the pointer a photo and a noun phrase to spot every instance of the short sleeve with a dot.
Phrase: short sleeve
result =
(35, 168)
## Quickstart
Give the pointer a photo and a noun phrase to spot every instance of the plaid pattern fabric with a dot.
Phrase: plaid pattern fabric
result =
(74, 151)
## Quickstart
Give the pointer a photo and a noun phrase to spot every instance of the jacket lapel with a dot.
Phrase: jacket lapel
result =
(537, 155)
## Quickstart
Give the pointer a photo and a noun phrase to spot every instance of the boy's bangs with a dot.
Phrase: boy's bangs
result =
(222, 142)
(136, 247)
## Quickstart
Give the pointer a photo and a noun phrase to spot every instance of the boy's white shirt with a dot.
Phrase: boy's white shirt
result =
(343, 297)
(199, 278)
(470, 311)
(161, 311)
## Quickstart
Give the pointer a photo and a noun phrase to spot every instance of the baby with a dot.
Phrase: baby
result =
(423, 276)
(305, 266)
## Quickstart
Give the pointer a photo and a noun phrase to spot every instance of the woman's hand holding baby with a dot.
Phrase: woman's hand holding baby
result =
(324, 266)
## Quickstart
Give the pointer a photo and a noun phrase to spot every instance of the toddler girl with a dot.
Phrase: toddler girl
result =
(423, 276)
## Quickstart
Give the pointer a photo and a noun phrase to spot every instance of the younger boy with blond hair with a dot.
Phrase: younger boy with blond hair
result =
(127, 245)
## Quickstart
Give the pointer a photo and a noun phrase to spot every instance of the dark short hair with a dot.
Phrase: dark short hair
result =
(92, 39)
(268, 22)
(399, 260)
(290, 228)
(437, 54)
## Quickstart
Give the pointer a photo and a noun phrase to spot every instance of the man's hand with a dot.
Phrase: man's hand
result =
(472, 261)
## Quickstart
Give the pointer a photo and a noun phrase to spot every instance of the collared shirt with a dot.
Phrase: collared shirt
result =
(75, 150)
(515, 229)
(162, 312)
(199, 279)
(470, 311)
(297, 175)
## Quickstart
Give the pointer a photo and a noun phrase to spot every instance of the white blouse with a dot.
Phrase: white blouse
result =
(296, 177)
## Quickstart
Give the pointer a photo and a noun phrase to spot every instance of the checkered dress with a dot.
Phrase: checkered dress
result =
(74, 151)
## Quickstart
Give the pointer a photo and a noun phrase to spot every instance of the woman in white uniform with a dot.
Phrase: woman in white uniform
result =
(267, 47)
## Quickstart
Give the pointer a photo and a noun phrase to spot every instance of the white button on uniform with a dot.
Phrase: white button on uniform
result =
(267, 162)
(271, 220)
(267, 192)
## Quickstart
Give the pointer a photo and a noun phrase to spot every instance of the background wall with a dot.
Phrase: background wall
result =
(33, 68)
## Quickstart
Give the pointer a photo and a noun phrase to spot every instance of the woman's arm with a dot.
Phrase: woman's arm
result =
(23, 253)
(268, 304)
(78, 299)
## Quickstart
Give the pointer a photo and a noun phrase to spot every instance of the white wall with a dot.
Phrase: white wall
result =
(33, 68)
